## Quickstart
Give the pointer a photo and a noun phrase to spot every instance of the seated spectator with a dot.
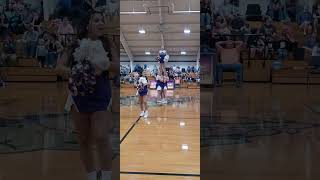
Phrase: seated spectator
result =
(282, 50)
(276, 11)
(310, 39)
(16, 24)
(304, 19)
(316, 16)
(268, 29)
(245, 29)
(205, 15)
(42, 52)
(222, 26)
(291, 6)
(316, 49)
(236, 24)
(65, 31)
(229, 52)
(54, 49)
(228, 10)
(256, 45)
(3, 25)
(27, 15)
(287, 33)
(9, 51)
(30, 38)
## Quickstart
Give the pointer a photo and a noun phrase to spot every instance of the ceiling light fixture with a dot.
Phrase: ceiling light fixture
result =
(187, 31)
(183, 53)
(142, 31)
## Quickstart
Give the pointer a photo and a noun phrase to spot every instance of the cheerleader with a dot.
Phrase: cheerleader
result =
(90, 95)
(159, 86)
(162, 87)
(142, 92)
(162, 58)
(165, 87)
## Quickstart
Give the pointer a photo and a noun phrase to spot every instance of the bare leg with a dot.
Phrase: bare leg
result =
(141, 102)
(101, 125)
(145, 103)
(82, 126)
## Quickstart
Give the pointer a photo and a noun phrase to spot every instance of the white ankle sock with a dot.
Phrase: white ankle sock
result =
(106, 175)
(92, 175)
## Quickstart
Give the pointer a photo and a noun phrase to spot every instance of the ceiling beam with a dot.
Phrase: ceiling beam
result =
(161, 23)
(127, 49)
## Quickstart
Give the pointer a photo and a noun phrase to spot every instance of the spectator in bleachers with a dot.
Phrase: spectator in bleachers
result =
(27, 15)
(268, 29)
(276, 10)
(206, 14)
(257, 45)
(245, 29)
(304, 19)
(283, 48)
(222, 26)
(9, 51)
(65, 30)
(42, 52)
(316, 49)
(54, 49)
(310, 38)
(229, 52)
(3, 25)
(291, 6)
(236, 24)
(228, 10)
(16, 24)
(288, 36)
(30, 38)
(316, 16)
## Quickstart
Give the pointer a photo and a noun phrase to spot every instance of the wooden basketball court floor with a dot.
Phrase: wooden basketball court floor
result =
(260, 131)
(166, 145)
(36, 137)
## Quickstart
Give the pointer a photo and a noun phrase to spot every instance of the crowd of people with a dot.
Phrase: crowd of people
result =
(226, 25)
(185, 74)
(25, 34)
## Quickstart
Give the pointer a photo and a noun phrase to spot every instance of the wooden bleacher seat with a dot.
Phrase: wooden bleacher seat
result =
(29, 74)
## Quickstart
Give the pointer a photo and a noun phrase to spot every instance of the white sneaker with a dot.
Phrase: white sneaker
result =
(142, 113)
(146, 114)
(159, 101)
(164, 101)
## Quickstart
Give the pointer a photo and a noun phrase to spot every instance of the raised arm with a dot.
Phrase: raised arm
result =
(238, 44)
(219, 45)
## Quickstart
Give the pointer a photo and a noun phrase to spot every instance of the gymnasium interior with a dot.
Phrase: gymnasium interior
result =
(165, 145)
(266, 126)
(37, 138)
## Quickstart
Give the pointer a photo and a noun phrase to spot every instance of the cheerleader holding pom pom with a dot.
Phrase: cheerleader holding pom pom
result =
(142, 92)
(162, 58)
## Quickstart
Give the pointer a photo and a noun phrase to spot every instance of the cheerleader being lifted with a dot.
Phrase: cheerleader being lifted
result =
(162, 58)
